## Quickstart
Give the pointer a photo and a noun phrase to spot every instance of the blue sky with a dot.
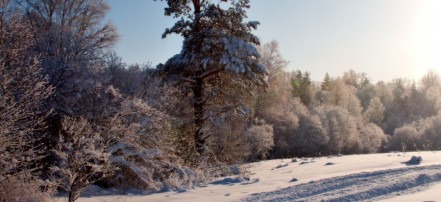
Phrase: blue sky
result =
(385, 38)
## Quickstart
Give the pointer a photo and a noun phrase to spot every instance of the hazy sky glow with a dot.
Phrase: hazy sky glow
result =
(385, 38)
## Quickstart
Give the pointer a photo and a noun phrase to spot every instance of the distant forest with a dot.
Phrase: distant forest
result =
(73, 114)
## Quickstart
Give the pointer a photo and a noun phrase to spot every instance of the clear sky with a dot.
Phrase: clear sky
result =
(384, 38)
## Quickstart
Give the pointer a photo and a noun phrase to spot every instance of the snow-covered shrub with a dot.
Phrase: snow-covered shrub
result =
(81, 157)
(372, 138)
(24, 187)
(310, 137)
(141, 139)
(148, 169)
(405, 137)
(348, 134)
(228, 143)
(430, 132)
(138, 123)
(284, 122)
(163, 97)
(423, 134)
(341, 129)
(260, 140)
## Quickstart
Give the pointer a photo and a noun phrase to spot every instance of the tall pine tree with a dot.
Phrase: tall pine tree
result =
(218, 59)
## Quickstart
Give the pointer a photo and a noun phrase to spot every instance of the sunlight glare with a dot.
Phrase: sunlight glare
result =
(426, 40)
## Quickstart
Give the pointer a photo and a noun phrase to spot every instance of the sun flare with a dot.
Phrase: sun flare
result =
(426, 37)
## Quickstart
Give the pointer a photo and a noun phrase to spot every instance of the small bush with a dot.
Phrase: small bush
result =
(405, 137)
(260, 139)
(24, 187)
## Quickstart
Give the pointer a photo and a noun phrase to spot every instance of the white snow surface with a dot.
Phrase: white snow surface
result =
(386, 176)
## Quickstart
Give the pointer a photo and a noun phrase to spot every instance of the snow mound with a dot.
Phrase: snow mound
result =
(415, 160)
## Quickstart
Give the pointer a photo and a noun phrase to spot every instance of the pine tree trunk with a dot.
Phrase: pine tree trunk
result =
(198, 105)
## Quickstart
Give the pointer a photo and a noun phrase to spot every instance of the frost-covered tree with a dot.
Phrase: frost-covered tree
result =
(430, 132)
(69, 37)
(365, 93)
(273, 105)
(218, 60)
(260, 137)
(277, 93)
(349, 133)
(354, 79)
(81, 157)
(374, 113)
(311, 138)
(22, 91)
(341, 129)
(271, 58)
(430, 88)
(405, 137)
(372, 138)
(396, 112)
(140, 140)
(229, 143)
(87, 147)
(340, 94)
(421, 134)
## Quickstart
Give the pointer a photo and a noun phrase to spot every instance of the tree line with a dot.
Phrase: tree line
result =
(73, 114)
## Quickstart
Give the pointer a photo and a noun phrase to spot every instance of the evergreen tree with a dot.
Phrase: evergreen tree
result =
(301, 87)
(218, 60)
(326, 84)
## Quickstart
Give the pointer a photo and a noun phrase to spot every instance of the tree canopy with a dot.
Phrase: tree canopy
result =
(218, 55)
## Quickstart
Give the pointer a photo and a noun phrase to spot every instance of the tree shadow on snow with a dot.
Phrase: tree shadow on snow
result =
(280, 166)
(228, 181)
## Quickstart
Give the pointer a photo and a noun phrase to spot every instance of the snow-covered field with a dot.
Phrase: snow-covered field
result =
(355, 177)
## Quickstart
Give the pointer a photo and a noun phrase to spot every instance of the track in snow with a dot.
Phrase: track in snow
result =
(361, 186)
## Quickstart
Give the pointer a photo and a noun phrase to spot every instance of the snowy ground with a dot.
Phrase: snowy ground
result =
(355, 177)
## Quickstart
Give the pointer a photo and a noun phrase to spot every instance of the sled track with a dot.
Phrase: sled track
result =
(355, 187)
